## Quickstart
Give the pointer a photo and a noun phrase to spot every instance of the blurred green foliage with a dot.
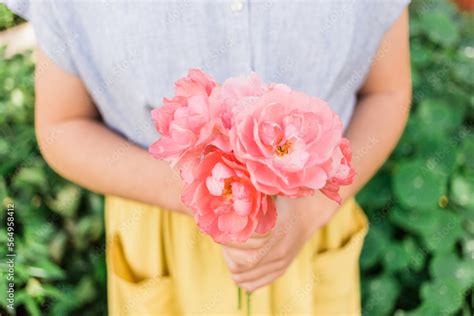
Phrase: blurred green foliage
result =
(418, 258)
(59, 241)
(7, 18)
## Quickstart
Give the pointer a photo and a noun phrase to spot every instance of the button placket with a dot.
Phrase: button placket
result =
(238, 36)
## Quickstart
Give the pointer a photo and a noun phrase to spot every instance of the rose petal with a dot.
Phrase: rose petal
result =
(231, 223)
(221, 171)
(215, 186)
(267, 219)
(242, 207)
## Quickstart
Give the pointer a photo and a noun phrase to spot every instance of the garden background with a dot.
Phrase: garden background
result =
(418, 258)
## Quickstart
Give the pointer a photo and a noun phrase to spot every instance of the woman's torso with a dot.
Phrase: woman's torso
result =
(130, 53)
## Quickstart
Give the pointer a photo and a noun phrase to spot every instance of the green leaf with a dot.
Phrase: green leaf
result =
(34, 288)
(421, 55)
(462, 191)
(3, 189)
(409, 138)
(395, 257)
(439, 28)
(66, 303)
(415, 253)
(468, 246)
(86, 291)
(66, 201)
(377, 192)
(447, 233)
(4, 147)
(100, 268)
(17, 98)
(438, 116)
(375, 244)
(30, 176)
(426, 308)
(445, 295)
(416, 221)
(439, 228)
(53, 291)
(466, 152)
(449, 266)
(89, 228)
(439, 155)
(6, 17)
(31, 306)
(463, 70)
(382, 295)
(45, 269)
(57, 246)
(96, 203)
(416, 187)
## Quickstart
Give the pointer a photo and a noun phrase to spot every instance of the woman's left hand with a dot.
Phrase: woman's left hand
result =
(264, 258)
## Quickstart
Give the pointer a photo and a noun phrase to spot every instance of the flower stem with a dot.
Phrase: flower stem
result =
(248, 303)
(239, 298)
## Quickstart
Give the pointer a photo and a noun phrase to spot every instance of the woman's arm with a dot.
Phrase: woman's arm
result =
(384, 104)
(378, 119)
(77, 145)
(376, 126)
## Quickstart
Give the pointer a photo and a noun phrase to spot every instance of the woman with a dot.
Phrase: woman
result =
(101, 68)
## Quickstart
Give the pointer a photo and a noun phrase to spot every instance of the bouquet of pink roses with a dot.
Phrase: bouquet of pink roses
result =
(238, 144)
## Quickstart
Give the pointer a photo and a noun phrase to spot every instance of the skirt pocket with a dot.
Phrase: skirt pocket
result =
(336, 272)
(129, 296)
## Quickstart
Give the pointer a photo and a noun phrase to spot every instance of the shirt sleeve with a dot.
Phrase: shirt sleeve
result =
(384, 13)
(50, 36)
(373, 19)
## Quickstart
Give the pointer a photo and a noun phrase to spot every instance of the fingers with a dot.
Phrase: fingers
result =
(261, 282)
(240, 260)
(258, 272)
(255, 241)
(253, 269)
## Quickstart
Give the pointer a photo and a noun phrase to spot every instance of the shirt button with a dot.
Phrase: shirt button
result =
(237, 5)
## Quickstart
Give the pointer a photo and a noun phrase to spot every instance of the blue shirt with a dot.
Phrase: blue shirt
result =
(130, 53)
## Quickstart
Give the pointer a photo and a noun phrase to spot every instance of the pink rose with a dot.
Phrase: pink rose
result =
(226, 204)
(283, 138)
(234, 91)
(339, 170)
(187, 121)
(195, 83)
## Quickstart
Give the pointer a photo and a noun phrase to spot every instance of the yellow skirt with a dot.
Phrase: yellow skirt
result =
(160, 264)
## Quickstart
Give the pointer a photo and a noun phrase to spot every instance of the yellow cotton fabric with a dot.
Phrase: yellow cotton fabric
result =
(160, 264)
